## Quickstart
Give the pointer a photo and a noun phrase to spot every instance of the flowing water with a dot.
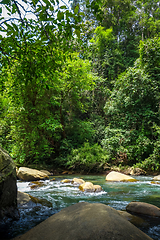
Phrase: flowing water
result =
(114, 194)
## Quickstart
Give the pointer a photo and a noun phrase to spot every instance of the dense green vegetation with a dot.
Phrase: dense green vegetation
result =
(80, 83)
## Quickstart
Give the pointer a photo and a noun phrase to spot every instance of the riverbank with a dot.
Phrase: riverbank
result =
(63, 171)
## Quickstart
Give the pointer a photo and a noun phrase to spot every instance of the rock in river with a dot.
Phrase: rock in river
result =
(89, 187)
(116, 176)
(85, 221)
(143, 208)
(29, 174)
(156, 178)
(8, 187)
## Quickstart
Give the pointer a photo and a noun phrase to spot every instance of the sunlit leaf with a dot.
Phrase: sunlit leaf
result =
(76, 9)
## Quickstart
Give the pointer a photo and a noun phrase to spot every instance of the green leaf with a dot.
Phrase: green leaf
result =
(76, 9)
(5, 2)
(63, 7)
(77, 31)
(46, 2)
(0, 10)
(60, 16)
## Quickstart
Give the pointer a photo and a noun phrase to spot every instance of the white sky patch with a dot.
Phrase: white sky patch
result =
(25, 10)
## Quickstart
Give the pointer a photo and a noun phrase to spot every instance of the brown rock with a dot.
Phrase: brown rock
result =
(26, 199)
(137, 172)
(29, 174)
(85, 221)
(137, 221)
(23, 198)
(143, 208)
(66, 181)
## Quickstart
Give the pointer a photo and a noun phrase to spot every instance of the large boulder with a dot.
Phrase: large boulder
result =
(85, 221)
(143, 208)
(29, 174)
(116, 176)
(8, 187)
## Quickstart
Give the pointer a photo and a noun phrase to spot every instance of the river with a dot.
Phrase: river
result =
(60, 195)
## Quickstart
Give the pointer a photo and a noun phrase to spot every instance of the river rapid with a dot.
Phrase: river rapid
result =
(61, 195)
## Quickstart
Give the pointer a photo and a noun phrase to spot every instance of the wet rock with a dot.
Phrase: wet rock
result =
(8, 187)
(116, 176)
(25, 200)
(53, 179)
(42, 201)
(85, 221)
(66, 181)
(36, 184)
(78, 181)
(153, 182)
(89, 187)
(156, 178)
(143, 208)
(29, 174)
(137, 221)
(97, 188)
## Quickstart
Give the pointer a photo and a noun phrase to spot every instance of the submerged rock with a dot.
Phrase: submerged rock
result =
(29, 174)
(116, 176)
(66, 181)
(36, 184)
(8, 187)
(135, 220)
(85, 221)
(143, 208)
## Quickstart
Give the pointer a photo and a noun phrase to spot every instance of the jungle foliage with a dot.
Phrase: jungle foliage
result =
(80, 83)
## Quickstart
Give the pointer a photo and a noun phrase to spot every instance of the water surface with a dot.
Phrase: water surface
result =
(61, 195)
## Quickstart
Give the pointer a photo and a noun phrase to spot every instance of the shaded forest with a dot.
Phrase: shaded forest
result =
(80, 83)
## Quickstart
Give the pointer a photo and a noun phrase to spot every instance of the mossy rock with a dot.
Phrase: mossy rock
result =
(8, 186)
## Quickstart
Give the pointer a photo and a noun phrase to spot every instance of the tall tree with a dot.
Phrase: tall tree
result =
(43, 79)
